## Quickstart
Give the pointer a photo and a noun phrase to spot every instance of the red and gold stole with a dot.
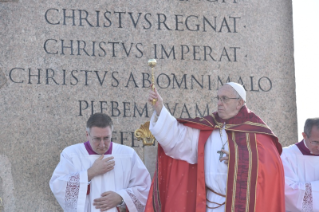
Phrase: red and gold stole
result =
(179, 186)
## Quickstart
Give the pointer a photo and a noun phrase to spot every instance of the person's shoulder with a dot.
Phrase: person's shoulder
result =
(290, 150)
(73, 149)
(123, 149)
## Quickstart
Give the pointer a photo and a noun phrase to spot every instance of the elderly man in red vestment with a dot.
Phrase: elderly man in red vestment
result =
(226, 161)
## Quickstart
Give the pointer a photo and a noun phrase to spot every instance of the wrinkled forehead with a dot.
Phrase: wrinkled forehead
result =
(226, 90)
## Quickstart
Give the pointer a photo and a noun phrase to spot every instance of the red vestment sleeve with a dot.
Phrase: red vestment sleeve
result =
(176, 181)
(178, 185)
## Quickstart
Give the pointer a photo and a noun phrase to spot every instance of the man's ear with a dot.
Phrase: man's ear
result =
(304, 135)
(241, 103)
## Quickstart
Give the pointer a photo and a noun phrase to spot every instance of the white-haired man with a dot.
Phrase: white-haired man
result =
(99, 175)
(302, 170)
(227, 161)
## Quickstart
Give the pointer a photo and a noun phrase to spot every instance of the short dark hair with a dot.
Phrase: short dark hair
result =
(310, 123)
(99, 120)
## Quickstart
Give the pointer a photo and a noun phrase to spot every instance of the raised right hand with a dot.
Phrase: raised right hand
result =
(159, 103)
(101, 166)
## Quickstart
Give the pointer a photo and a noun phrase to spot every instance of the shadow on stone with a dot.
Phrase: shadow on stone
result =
(3, 78)
(9, 0)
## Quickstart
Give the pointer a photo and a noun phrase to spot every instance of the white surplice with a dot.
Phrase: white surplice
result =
(181, 142)
(129, 178)
(301, 180)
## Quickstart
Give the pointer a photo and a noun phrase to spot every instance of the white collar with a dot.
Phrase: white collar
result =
(306, 146)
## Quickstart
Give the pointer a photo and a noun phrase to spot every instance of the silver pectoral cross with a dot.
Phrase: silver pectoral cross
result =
(221, 154)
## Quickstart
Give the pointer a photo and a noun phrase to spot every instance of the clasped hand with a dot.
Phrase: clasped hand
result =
(159, 103)
(107, 201)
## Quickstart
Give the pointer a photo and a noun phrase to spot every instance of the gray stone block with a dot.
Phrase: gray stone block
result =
(64, 60)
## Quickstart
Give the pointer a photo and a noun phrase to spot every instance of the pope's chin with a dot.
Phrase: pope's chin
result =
(220, 113)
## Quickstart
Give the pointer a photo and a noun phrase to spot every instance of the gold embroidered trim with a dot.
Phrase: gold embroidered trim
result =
(249, 123)
(158, 194)
(228, 171)
(256, 124)
(249, 172)
(234, 125)
(257, 172)
(235, 172)
(253, 132)
(210, 123)
(201, 123)
(213, 116)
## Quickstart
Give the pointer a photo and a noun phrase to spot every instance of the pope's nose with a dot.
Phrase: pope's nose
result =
(219, 102)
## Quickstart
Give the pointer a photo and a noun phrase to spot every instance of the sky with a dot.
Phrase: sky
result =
(306, 45)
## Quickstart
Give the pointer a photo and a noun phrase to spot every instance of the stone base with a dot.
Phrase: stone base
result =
(150, 155)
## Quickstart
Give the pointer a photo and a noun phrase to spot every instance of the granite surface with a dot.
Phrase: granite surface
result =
(63, 60)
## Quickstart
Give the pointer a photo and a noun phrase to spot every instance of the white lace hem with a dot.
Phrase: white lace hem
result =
(139, 207)
(307, 204)
(72, 193)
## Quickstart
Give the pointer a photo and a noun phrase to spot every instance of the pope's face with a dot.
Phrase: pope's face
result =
(230, 107)
(313, 141)
(100, 139)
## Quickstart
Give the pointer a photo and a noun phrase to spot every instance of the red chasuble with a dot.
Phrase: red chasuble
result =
(255, 179)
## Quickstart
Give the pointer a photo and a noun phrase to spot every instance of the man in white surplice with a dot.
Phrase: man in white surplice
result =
(301, 165)
(99, 175)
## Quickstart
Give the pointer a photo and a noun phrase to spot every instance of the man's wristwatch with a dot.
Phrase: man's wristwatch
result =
(122, 203)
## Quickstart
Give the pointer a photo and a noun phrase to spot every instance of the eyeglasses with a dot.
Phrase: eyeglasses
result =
(99, 139)
(223, 98)
(315, 143)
